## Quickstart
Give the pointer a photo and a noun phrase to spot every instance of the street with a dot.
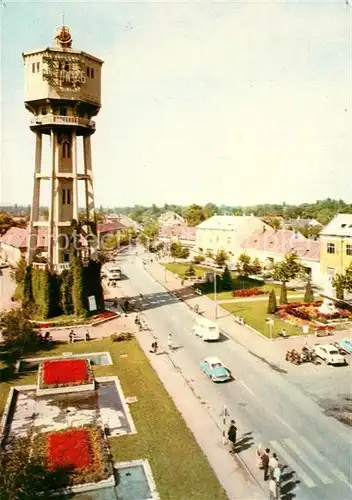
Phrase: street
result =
(267, 406)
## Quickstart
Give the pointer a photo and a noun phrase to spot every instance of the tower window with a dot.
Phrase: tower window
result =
(68, 196)
(87, 70)
(63, 196)
(63, 111)
(38, 67)
(44, 111)
(67, 66)
(91, 72)
(33, 67)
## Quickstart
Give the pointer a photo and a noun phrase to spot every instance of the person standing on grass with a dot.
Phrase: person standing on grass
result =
(232, 435)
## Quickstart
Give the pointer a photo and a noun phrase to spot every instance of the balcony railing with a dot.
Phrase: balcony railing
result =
(58, 267)
(62, 120)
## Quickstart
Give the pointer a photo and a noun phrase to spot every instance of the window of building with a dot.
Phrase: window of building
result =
(330, 248)
(38, 67)
(67, 66)
(91, 72)
(88, 71)
(66, 257)
(68, 149)
(44, 111)
(68, 196)
(33, 67)
(63, 196)
(348, 249)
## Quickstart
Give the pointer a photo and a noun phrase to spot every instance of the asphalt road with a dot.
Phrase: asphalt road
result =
(267, 407)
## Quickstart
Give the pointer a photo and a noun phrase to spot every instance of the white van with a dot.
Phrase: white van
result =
(114, 273)
(206, 329)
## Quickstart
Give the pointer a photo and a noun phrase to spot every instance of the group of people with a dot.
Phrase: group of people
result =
(270, 464)
(272, 469)
(72, 336)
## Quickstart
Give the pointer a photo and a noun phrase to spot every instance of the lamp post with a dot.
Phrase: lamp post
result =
(215, 297)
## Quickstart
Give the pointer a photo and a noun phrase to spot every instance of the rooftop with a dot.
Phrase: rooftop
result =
(341, 225)
(227, 222)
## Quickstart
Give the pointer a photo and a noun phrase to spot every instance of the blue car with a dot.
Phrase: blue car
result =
(345, 345)
(215, 370)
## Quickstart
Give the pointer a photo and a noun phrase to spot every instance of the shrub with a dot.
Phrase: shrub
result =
(197, 259)
(226, 280)
(309, 295)
(119, 337)
(190, 272)
(272, 305)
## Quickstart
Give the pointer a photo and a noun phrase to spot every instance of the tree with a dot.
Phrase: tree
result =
(190, 272)
(272, 305)
(17, 331)
(19, 272)
(283, 293)
(197, 259)
(342, 282)
(178, 251)
(273, 222)
(285, 271)
(220, 258)
(309, 294)
(257, 267)
(194, 215)
(209, 210)
(226, 280)
(27, 288)
(243, 265)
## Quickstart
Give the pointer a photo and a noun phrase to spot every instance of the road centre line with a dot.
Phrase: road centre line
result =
(306, 460)
(248, 388)
(293, 464)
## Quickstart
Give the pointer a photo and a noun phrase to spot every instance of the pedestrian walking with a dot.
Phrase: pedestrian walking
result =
(154, 348)
(265, 461)
(232, 436)
(277, 476)
(71, 336)
(259, 454)
(273, 463)
(169, 342)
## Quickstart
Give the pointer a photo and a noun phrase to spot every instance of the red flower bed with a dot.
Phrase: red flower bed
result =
(65, 372)
(71, 449)
(104, 315)
(247, 292)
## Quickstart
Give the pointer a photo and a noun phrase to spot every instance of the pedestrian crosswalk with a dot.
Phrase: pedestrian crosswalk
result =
(309, 466)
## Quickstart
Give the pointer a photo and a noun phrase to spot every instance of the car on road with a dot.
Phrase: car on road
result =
(344, 345)
(215, 369)
(329, 353)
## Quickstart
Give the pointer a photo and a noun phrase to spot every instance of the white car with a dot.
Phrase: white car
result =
(329, 354)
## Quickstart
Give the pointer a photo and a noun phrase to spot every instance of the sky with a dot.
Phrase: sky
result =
(235, 103)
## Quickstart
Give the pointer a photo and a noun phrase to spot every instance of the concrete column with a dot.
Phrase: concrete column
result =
(33, 230)
(89, 191)
(88, 172)
(74, 171)
(51, 233)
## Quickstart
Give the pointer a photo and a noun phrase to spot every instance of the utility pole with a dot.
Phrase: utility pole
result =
(215, 297)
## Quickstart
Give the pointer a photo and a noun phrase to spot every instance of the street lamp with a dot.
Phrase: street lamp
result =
(215, 296)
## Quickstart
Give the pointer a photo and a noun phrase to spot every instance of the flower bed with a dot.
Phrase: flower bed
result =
(81, 452)
(104, 315)
(69, 375)
(298, 313)
(75, 371)
(248, 292)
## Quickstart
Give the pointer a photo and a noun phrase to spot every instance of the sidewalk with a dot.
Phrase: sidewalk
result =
(272, 351)
(230, 471)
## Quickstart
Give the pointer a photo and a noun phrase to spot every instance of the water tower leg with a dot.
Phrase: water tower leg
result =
(34, 216)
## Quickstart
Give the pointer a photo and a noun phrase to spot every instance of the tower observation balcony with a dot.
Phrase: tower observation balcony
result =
(43, 123)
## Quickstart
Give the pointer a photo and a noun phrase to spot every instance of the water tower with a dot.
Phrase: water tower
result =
(63, 93)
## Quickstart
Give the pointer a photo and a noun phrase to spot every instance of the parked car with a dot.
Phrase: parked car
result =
(345, 345)
(215, 369)
(329, 353)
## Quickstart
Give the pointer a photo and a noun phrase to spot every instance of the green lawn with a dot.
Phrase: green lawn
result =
(179, 467)
(254, 313)
(238, 283)
(179, 268)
